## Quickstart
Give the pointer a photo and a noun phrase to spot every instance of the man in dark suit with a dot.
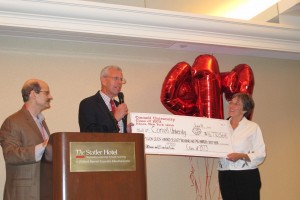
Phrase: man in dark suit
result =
(23, 137)
(100, 112)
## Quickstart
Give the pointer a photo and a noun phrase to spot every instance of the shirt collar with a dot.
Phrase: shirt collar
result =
(243, 120)
(40, 117)
(105, 98)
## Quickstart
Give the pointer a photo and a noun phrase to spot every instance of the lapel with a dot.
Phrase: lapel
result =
(30, 121)
(104, 107)
(101, 103)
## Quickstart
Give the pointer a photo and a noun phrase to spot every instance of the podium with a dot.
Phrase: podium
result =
(94, 166)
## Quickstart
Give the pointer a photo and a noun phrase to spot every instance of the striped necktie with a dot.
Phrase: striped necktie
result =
(113, 106)
(113, 109)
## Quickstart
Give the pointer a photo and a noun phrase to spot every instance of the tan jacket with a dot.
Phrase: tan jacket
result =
(19, 135)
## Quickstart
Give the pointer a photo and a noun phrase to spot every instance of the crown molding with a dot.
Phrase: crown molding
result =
(116, 24)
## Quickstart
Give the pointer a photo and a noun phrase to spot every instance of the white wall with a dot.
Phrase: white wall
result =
(72, 72)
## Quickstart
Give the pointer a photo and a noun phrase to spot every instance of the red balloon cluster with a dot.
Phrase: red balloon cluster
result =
(198, 90)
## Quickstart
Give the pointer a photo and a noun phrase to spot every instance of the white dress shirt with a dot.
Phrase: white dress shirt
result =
(246, 138)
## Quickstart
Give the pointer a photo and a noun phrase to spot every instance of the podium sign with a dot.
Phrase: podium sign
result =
(102, 156)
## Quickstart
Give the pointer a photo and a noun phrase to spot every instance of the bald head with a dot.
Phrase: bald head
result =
(31, 85)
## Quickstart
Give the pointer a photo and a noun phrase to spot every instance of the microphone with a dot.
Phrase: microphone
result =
(121, 100)
(121, 97)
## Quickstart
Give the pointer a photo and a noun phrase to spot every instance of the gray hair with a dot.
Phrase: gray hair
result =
(104, 71)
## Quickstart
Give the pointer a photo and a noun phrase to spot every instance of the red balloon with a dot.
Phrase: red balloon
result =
(240, 79)
(197, 90)
(177, 93)
(207, 83)
(194, 91)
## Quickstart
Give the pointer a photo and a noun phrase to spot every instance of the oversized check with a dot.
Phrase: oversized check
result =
(183, 135)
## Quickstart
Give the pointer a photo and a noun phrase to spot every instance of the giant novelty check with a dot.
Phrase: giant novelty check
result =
(183, 135)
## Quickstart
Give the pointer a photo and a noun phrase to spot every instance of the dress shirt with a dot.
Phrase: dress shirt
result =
(107, 102)
(40, 148)
(246, 138)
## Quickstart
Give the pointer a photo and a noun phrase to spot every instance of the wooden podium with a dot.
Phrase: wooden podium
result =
(94, 166)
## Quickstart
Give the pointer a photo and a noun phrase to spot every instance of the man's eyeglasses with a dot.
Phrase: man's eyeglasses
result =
(46, 92)
(123, 80)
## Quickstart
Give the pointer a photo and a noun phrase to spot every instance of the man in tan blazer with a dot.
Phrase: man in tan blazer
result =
(23, 137)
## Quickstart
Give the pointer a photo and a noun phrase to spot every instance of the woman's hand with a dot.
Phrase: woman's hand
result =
(237, 156)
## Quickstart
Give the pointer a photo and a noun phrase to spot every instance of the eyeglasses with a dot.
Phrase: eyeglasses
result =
(123, 80)
(47, 92)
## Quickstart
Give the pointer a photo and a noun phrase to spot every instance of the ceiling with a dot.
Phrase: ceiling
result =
(285, 12)
(163, 24)
(285, 9)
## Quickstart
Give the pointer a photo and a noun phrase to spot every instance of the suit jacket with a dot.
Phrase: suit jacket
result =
(19, 135)
(94, 116)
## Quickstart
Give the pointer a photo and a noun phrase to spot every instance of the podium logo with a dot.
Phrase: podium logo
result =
(88, 152)
(80, 153)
